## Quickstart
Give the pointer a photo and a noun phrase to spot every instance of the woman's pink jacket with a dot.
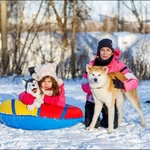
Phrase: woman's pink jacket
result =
(115, 65)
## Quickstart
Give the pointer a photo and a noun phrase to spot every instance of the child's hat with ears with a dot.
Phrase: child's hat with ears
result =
(39, 72)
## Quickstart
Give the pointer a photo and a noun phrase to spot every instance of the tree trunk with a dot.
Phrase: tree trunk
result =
(73, 41)
(63, 27)
(64, 39)
(118, 27)
(5, 55)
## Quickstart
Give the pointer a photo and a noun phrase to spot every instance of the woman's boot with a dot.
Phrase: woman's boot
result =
(89, 111)
(116, 117)
(104, 121)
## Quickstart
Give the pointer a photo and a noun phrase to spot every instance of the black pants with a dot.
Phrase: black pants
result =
(89, 111)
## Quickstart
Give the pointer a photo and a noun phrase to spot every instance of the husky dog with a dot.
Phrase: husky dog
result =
(103, 90)
(32, 88)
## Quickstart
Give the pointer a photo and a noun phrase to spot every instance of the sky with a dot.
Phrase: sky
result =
(32, 8)
(110, 8)
(129, 135)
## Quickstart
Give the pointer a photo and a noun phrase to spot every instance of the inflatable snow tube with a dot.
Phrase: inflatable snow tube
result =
(14, 113)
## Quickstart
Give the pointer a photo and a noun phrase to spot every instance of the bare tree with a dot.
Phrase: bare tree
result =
(62, 23)
(137, 58)
(20, 50)
(118, 27)
(19, 13)
(73, 41)
(138, 13)
(5, 54)
(50, 35)
(24, 34)
(73, 13)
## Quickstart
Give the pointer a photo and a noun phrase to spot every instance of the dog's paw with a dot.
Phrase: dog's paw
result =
(143, 125)
(30, 107)
(88, 128)
(110, 131)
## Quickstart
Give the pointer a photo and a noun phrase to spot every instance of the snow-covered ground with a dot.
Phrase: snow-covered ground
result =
(130, 135)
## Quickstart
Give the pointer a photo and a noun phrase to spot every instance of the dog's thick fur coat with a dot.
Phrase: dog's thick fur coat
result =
(103, 91)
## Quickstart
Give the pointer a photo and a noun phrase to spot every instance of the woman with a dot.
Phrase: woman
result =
(107, 56)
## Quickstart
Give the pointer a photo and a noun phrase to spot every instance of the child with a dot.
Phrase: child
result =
(53, 93)
(50, 85)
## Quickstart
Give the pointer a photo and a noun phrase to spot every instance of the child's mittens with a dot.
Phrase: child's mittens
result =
(37, 104)
(39, 100)
(48, 92)
(30, 107)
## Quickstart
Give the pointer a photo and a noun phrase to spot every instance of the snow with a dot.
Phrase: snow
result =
(129, 135)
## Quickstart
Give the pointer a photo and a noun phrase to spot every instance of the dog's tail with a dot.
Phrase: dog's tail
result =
(134, 96)
(135, 93)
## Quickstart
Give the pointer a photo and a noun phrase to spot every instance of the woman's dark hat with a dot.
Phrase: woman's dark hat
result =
(105, 43)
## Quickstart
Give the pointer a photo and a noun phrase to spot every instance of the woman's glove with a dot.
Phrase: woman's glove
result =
(118, 84)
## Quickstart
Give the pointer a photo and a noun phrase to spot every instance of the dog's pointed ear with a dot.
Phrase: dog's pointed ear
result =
(24, 81)
(88, 67)
(105, 68)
